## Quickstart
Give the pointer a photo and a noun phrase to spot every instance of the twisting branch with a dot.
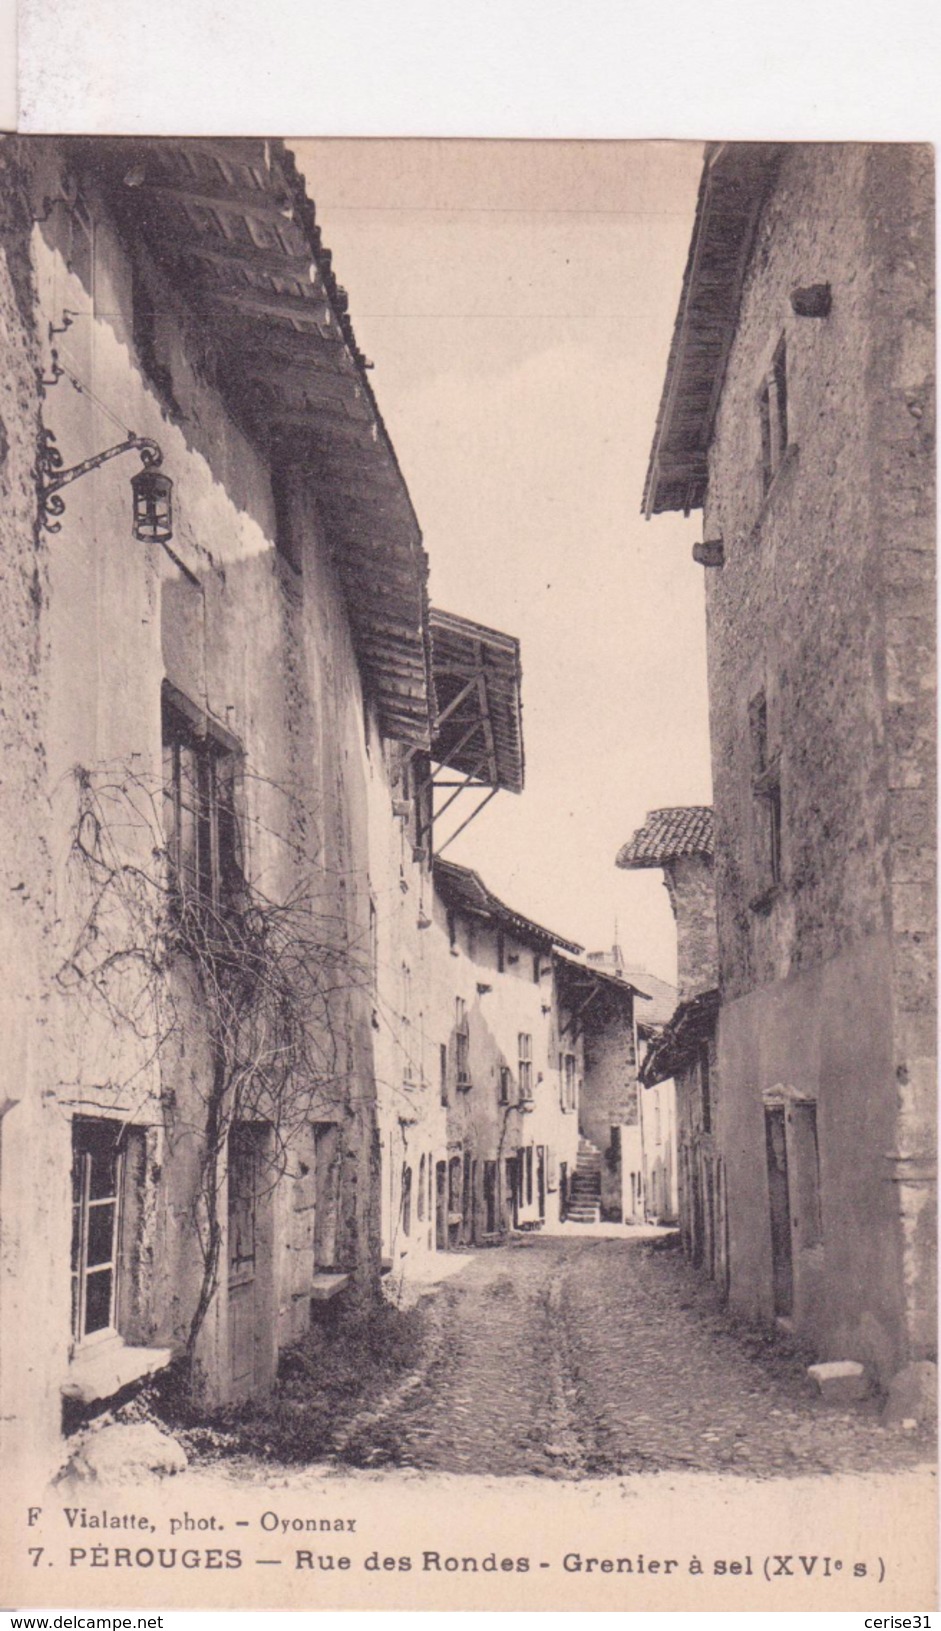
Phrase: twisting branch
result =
(270, 977)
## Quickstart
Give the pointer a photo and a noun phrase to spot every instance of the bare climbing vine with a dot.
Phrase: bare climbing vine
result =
(266, 982)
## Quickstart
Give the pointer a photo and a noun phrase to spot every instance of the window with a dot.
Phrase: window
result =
(568, 1072)
(504, 1085)
(772, 411)
(537, 968)
(200, 822)
(421, 1189)
(107, 1184)
(443, 1071)
(525, 1066)
(462, 1042)
(452, 930)
(529, 1175)
(501, 951)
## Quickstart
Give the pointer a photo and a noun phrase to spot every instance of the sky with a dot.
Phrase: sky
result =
(517, 300)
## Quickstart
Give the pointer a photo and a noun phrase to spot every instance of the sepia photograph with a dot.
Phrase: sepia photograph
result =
(468, 810)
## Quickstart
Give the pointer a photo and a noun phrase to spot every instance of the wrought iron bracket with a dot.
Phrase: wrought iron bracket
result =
(52, 477)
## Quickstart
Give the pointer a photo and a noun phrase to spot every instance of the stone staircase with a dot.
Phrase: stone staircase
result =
(585, 1194)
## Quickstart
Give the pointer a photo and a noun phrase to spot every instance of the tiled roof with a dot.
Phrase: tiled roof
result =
(608, 977)
(668, 834)
(466, 891)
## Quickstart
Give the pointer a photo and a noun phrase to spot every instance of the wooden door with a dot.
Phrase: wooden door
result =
(779, 1202)
(441, 1206)
(244, 1159)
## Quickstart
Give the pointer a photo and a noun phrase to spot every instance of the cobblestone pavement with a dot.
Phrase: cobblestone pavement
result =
(574, 1358)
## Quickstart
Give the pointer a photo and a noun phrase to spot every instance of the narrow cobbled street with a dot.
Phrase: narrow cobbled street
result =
(590, 1356)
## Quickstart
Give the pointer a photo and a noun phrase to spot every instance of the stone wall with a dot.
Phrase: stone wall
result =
(609, 1100)
(820, 630)
(690, 885)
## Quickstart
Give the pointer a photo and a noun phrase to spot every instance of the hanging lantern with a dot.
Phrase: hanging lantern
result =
(153, 506)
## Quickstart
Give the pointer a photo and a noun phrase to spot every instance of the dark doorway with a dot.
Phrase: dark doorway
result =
(468, 1202)
(511, 1191)
(779, 1200)
(563, 1190)
(541, 1180)
(441, 1206)
(454, 1201)
(490, 1197)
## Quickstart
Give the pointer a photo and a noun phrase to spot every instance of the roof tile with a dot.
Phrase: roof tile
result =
(669, 834)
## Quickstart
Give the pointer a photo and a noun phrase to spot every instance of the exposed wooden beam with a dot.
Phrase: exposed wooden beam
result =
(455, 703)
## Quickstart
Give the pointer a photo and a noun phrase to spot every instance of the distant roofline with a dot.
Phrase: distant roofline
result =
(491, 907)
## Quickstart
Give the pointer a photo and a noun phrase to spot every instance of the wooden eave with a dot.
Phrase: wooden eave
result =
(230, 225)
(675, 1048)
(579, 980)
(735, 182)
(479, 722)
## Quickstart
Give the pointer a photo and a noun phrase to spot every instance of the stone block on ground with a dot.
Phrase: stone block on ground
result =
(913, 1395)
(840, 1381)
(122, 1453)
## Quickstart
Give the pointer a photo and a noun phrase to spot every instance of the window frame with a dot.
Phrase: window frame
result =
(773, 415)
(524, 1044)
(568, 1073)
(462, 1044)
(213, 869)
(95, 1128)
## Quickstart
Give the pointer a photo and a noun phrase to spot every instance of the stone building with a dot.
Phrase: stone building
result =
(201, 687)
(537, 1071)
(420, 802)
(602, 1005)
(797, 413)
(658, 1126)
(508, 1067)
(680, 841)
